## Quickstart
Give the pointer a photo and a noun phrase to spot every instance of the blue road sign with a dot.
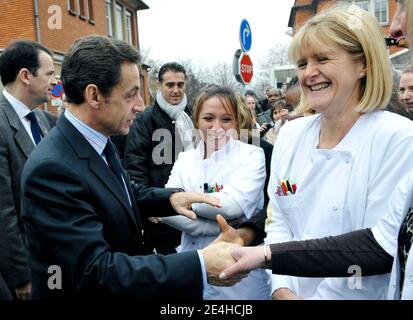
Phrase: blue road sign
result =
(245, 35)
(57, 90)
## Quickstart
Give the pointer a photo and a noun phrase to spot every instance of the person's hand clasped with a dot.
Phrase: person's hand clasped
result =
(247, 259)
(182, 202)
(218, 255)
(217, 258)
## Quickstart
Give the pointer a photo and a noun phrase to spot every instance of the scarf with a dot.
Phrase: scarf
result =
(183, 122)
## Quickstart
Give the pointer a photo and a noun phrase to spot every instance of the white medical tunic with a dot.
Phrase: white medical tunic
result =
(238, 168)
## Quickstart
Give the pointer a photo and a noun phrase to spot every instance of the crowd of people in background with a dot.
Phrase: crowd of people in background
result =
(125, 198)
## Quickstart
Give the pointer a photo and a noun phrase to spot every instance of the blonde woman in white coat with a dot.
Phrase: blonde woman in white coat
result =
(344, 161)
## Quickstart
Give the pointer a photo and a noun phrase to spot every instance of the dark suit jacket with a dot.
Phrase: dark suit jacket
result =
(15, 147)
(78, 218)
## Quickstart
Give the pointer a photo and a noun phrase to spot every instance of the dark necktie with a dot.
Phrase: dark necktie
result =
(113, 162)
(34, 127)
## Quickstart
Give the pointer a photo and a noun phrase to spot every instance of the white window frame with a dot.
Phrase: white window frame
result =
(72, 10)
(372, 7)
(386, 22)
(109, 18)
(91, 19)
(85, 14)
(128, 26)
(368, 4)
(119, 24)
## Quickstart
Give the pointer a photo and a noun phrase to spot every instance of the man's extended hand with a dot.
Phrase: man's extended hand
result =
(217, 257)
(182, 202)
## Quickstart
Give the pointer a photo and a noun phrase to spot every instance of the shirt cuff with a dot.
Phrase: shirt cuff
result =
(204, 274)
(279, 281)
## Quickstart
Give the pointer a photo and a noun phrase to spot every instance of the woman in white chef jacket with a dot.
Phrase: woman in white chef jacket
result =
(225, 168)
(342, 163)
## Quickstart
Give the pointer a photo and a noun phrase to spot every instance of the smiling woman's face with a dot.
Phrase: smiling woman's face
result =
(215, 123)
(330, 78)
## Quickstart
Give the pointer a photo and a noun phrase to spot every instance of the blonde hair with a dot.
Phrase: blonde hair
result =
(246, 118)
(359, 33)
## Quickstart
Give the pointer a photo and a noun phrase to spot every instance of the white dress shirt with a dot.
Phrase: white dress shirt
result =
(22, 111)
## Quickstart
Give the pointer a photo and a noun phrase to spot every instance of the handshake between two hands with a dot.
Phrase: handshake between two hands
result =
(227, 261)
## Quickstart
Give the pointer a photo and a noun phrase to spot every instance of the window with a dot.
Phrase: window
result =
(380, 9)
(119, 22)
(82, 10)
(85, 9)
(71, 6)
(128, 27)
(90, 10)
(364, 4)
(109, 26)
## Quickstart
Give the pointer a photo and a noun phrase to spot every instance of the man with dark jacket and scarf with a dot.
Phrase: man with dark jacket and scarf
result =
(153, 145)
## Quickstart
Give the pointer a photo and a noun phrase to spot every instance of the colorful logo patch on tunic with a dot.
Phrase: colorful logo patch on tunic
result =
(212, 188)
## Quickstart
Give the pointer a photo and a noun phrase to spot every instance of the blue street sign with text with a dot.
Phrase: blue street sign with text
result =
(245, 35)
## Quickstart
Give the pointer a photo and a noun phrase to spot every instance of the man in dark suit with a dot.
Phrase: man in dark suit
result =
(27, 73)
(82, 220)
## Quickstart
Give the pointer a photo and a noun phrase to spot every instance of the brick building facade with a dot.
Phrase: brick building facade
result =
(384, 11)
(57, 23)
(305, 9)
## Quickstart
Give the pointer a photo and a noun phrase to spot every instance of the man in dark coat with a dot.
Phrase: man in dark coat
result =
(27, 73)
(79, 206)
